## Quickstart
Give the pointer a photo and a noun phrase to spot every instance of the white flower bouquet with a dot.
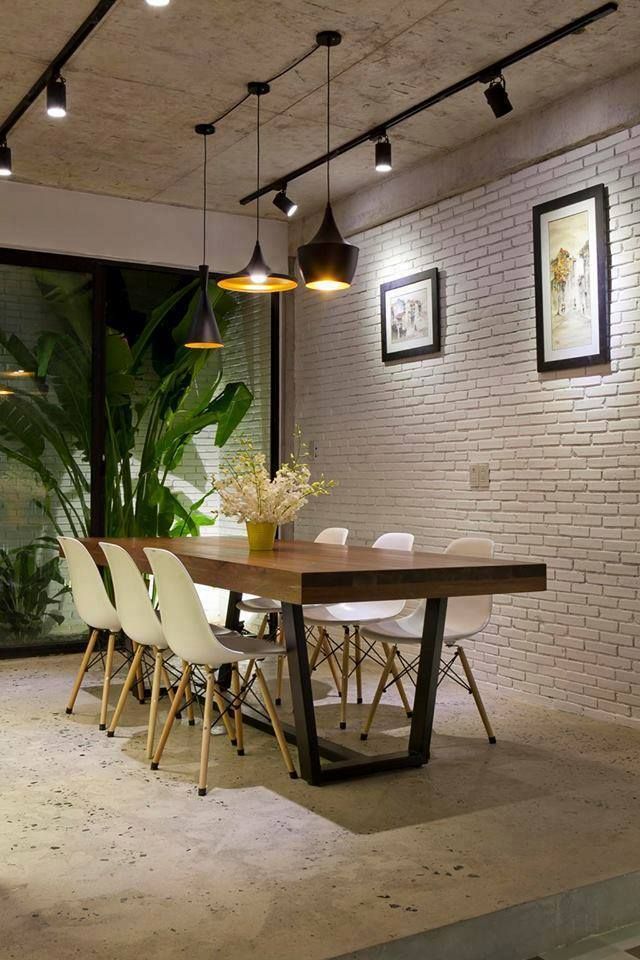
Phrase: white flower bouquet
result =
(247, 492)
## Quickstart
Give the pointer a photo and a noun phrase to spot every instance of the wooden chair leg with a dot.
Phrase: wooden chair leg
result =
(358, 649)
(82, 669)
(140, 684)
(333, 665)
(399, 685)
(190, 696)
(313, 659)
(224, 713)
(263, 627)
(166, 730)
(124, 693)
(275, 722)
(471, 680)
(155, 698)
(344, 684)
(108, 667)
(376, 699)
(206, 733)
(237, 708)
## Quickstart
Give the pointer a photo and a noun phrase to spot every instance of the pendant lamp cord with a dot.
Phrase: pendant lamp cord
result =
(204, 204)
(328, 123)
(258, 171)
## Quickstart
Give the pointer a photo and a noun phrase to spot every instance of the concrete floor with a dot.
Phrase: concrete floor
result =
(104, 859)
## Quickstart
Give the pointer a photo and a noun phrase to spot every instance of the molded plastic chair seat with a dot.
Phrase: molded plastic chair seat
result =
(197, 643)
(97, 611)
(465, 617)
(348, 615)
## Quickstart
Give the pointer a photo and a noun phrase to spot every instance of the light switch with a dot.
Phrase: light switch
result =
(479, 476)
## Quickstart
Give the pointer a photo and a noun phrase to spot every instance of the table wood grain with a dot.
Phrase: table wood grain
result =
(300, 571)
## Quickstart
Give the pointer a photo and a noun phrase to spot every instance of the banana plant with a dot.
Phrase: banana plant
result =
(159, 397)
(31, 589)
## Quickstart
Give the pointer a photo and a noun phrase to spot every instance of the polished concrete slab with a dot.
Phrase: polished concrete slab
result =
(103, 858)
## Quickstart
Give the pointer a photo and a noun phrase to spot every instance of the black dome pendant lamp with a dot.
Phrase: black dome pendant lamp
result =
(328, 262)
(204, 333)
(257, 276)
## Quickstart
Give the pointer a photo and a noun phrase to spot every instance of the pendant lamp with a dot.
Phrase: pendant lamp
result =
(328, 262)
(204, 333)
(257, 276)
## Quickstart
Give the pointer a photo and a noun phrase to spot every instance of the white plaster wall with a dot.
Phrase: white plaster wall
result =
(84, 224)
(564, 448)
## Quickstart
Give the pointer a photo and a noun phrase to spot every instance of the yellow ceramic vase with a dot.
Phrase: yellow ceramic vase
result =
(261, 536)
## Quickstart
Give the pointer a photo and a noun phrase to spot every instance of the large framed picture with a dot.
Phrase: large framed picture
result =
(410, 316)
(571, 273)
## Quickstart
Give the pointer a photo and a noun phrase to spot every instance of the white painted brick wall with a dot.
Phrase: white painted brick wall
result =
(564, 448)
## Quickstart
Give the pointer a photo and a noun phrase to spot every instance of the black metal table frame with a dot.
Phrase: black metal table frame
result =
(344, 762)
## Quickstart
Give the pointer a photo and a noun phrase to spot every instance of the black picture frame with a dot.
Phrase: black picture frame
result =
(426, 276)
(545, 362)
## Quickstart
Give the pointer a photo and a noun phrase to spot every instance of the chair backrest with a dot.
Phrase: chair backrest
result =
(89, 594)
(184, 621)
(465, 615)
(469, 615)
(394, 541)
(133, 604)
(336, 535)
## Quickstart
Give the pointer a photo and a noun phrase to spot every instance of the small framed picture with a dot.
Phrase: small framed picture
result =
(410, 316)
(571, 274)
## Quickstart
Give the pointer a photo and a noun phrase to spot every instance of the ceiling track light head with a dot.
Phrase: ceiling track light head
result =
(328, 38)
(497, 96)
(258, 88)
(204, 129)
(57, 96)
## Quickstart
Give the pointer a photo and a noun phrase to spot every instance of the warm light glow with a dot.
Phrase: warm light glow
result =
(158, 3)
(244, 284)
(56, 112)
(292, 209)
(260, 278)
(4, 392)
(204, 346)
(5, 172)
(328, 285)
(383, 167)
(18, 373)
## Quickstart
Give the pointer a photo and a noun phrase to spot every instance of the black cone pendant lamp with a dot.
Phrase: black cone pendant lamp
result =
(328, 262)
(257, 276)
(204, 333)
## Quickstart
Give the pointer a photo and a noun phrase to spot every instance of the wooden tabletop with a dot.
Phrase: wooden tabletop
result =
(300, 571)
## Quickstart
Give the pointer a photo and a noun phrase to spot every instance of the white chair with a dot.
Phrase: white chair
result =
(192, 638)
(352, 615)
(466, 616)
(97, 611)
(141, 624)
(265, 606)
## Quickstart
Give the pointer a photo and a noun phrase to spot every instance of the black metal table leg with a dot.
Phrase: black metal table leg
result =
(301, 693)
(427, 679)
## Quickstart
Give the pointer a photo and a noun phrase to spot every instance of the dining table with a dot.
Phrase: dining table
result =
(300, 572)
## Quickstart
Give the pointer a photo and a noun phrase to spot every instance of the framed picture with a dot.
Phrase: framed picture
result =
(571, 273)
(410, 316)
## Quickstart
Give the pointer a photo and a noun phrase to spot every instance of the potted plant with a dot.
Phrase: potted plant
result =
(248, 494)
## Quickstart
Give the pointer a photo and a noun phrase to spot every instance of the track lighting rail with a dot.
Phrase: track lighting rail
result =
(480, 76)
(74, 42)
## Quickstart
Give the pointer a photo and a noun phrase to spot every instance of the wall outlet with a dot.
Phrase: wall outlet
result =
(479, 476)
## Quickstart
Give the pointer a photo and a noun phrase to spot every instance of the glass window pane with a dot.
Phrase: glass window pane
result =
(45, 440)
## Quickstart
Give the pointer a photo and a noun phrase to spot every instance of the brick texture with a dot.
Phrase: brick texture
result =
(563, 448)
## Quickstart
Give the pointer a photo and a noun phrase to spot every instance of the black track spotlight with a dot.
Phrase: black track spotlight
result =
(497, 97)
(383, 154)
(285, 203)
(57, 97)
(5, 160)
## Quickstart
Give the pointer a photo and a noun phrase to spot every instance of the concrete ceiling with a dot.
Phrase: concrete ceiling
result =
(147, 75)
